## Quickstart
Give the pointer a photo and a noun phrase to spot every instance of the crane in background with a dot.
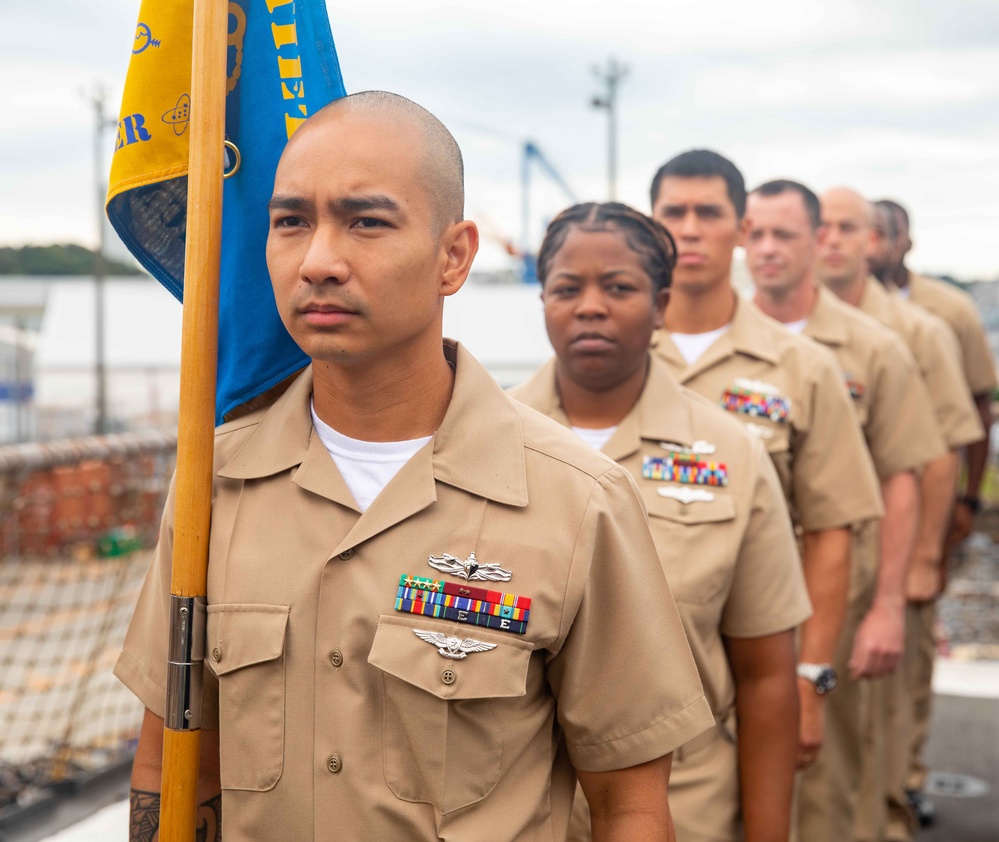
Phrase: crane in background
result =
(532, 154)
(531, 159)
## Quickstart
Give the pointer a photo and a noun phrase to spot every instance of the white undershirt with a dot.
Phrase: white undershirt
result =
(797, 327)
(692, 345)
(366, 466)
(595, 438)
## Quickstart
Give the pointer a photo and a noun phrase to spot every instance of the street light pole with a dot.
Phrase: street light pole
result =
(97, 99)
(611, 78)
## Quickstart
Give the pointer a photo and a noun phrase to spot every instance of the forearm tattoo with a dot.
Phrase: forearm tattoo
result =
(144, 824)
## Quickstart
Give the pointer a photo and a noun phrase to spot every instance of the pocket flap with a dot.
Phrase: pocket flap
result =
(776, 438)
(242, 635)
(495, 673)
(722, 507)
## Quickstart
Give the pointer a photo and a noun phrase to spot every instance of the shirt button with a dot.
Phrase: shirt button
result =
(346, 555)
(216, 654)
(448, 676)
(684, 510)
(334, 764)
(336, 658)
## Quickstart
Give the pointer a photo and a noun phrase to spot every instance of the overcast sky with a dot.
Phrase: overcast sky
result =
(897, 98)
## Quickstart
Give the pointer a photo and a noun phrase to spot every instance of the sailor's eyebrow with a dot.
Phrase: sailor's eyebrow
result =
(359, 204)
(288, 203)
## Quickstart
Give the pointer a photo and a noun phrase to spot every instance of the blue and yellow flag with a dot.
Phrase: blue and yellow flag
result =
(282, 67)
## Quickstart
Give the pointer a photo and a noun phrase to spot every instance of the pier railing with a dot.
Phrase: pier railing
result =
(78, 519)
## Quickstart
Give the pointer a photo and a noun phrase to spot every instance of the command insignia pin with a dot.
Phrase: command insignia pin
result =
(454, 648)
(685, 495)
(469, 569)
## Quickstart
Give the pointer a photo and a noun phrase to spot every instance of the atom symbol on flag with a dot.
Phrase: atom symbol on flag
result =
(179, 115)
(143, 39)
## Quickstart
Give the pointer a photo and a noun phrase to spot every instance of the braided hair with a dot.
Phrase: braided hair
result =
(644, 236)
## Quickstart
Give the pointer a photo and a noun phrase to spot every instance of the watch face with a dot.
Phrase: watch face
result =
(825, 681)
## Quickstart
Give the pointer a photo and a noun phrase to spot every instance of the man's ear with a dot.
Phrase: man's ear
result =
(743, 236)
(459, 245)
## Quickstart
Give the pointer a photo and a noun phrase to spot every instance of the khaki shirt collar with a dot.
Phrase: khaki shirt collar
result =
(875, 299)
(749, 333)
(479, 446)
(660, 414)
(825, 323)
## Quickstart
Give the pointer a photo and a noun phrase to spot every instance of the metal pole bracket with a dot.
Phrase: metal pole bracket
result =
(185, 662)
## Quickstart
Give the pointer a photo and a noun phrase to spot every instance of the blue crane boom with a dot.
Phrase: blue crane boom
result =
(531, 152)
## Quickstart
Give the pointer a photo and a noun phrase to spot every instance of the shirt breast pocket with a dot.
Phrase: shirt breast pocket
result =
(246, 652)
(776, 439)
(696, 542)
(443, 720)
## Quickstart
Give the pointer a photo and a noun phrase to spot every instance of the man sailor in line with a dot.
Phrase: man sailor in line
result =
(430, 609)
(958, 309)
(788, 391)
(842, 267)
(892, 244)
(715, 506)
(785, 232)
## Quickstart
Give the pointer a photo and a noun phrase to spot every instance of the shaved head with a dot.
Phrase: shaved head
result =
(849, 222)
(847, 200)
(442, 170)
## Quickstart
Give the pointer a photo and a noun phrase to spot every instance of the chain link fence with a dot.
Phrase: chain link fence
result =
(78, 520)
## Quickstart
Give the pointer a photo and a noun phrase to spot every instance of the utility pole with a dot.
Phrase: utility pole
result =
(97, 99)
(610, 78)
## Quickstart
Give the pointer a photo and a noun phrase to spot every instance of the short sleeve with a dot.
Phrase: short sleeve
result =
(979, 367)
(768, 593)
(625, 684)
(833, 479)
(939, 358)
(142, 664)
(902, 432)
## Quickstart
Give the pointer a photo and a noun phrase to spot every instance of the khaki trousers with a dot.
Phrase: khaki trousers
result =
(703, 793)
(871, 815)
(901, 719)
(828, 789)
(920, 677)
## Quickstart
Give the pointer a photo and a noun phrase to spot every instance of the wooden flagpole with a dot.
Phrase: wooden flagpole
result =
(196, 425)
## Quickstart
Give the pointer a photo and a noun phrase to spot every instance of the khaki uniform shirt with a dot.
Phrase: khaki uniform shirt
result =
(729, 553)
(888, 394)
(336, 718)
(938, 356)
(789, 391)
(958, 309)
(887, 391)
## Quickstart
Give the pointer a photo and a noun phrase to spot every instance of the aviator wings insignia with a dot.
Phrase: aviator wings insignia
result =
(455, 648)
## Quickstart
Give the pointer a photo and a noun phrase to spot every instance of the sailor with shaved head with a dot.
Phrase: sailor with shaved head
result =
(430, 609)
(842, 265)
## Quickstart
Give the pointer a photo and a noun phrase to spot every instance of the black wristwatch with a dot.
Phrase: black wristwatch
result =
(823, 676)
(973, 503)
